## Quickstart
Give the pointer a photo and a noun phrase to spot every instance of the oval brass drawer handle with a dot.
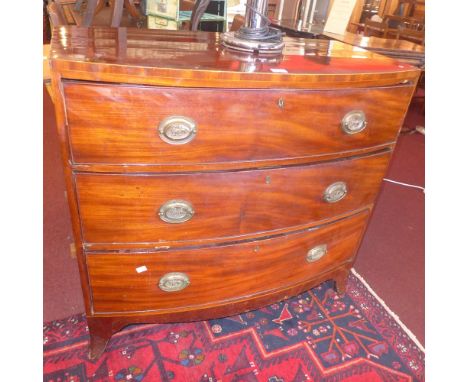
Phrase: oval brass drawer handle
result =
(316, 253)
(335, 192)
(174, 281)
(177, 130)
(176, 211)
(354, 122)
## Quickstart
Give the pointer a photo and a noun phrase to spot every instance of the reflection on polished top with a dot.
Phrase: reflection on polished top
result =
(405, 51)
(298, 25)
(375, 43)
(199, 59)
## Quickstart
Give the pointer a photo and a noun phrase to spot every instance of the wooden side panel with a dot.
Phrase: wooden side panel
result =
(61, 120)
(218, 274)
(117, 124)
(124, 209)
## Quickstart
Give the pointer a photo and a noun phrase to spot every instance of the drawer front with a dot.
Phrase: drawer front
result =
(119, 124)
(150, 208)
(182, 279)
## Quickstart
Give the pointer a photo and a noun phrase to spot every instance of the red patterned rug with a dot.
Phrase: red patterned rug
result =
(316, 336)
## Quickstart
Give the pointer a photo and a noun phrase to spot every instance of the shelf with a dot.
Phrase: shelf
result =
(186, 15)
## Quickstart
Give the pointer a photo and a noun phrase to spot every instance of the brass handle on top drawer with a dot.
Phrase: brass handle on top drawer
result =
(335, 192)
(174, 282)
(316, 253)
(354, 122)
(177, 130)
(176, 211)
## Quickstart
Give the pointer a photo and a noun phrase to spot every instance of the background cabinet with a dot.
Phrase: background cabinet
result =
(166, 14)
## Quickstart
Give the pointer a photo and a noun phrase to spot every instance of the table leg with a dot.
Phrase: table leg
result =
(117, 10)
(89, 13)
(129, 4)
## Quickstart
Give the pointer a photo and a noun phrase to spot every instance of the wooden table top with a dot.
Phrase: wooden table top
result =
(399, 49)
(376, 42)
(199, 59)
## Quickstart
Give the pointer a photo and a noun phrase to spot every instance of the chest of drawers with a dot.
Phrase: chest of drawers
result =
(204, 183)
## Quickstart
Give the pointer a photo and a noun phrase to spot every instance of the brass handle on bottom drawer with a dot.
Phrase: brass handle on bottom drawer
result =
(354, 122)
(176, 211)
(174, 281)
(335, 192)
(177, 130)
(316, 253)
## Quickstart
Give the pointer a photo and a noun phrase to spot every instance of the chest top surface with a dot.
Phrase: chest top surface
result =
(197, 59)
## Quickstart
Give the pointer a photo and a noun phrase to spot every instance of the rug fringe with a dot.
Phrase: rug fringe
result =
(389, 311)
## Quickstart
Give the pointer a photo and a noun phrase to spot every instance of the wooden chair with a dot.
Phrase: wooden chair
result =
(237, 23)
(411, 34)
(94, 6)
(63, 12)
(56, 14)
(390, 24)
(83, 13)
(186, 5)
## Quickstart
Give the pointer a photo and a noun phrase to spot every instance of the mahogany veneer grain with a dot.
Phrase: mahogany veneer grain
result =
(219, 274)
(121, 209)
(233, 125)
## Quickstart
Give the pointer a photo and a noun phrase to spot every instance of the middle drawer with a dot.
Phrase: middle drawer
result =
(181, 207)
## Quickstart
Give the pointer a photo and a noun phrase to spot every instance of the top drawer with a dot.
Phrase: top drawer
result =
(122, 124)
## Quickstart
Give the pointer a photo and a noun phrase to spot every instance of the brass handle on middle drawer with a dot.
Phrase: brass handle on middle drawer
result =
(176, 211)
(316, 253)
(177, 130)
(335, 192)
(354, 122)
(174, 282)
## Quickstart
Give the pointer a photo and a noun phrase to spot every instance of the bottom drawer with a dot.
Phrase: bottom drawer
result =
(186, 279)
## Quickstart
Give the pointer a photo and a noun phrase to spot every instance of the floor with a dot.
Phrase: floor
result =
(391, 257)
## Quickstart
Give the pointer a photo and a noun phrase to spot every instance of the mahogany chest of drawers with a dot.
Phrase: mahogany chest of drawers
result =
(204, 183)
